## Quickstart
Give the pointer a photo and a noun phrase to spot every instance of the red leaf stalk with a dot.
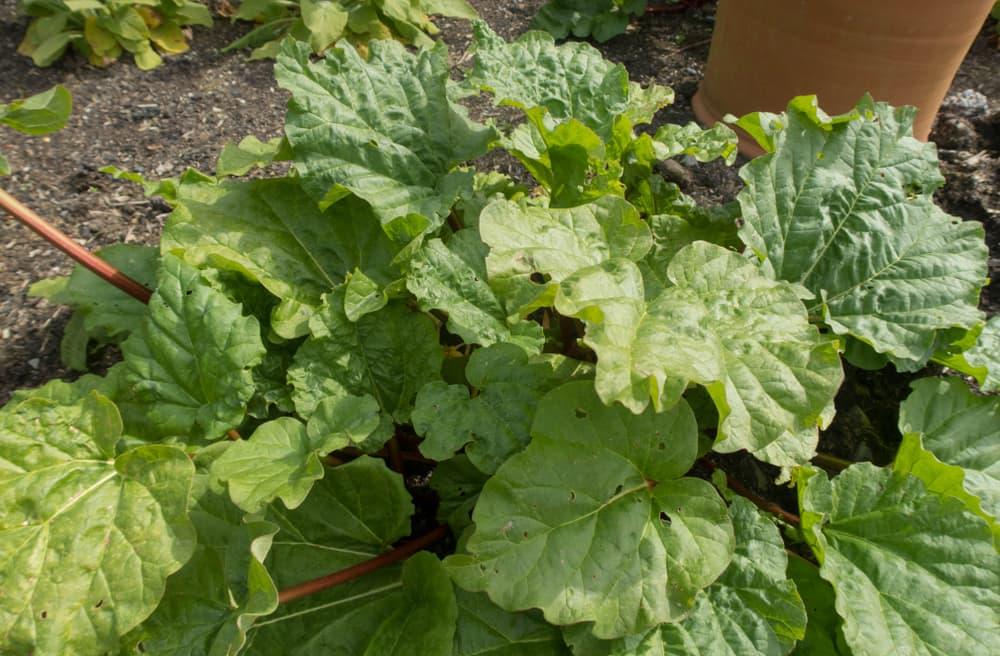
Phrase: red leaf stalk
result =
(63, 242)
(359, 570)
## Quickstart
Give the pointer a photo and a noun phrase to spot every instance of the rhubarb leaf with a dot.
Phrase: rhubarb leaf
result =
(610, 535)
(485, 629)
(986, 354)
(190, 359)
(389, 354)
(343, 139)
(496, 422)
(722, 324)
(962, 431)
(879, 536)
(845, 209)
(88, 537)
(211, 603)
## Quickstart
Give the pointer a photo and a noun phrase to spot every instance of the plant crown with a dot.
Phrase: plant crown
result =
(101, 30)
(569, 359)
(321, 23)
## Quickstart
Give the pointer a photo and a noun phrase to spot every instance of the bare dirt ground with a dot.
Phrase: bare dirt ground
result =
(181, 114)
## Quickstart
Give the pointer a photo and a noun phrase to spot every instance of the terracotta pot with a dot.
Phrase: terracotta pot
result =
(765, 52)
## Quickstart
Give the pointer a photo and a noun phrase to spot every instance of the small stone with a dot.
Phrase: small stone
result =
(33, 363)
(967, 103)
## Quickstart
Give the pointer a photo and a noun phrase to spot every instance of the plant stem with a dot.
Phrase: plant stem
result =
(356, 571)
(830, 461)
(757, 500)
(63, 242)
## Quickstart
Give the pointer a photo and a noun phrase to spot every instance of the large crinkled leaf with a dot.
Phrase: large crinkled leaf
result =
(357, 511)
(571, 80)
(384, 613)
(496, 422)
(212, 601)
(87, 538)
(485, 629)
(913, 572)
(389, 354)
(602, 19)
(191, 358)
(554, 243)
(720, 323)
(452, 278)
(345, 140)
(845, 209)
(592, 522)
(272, 233)
(962, 431)
(986, 354)
(752, 610)
(108, 313)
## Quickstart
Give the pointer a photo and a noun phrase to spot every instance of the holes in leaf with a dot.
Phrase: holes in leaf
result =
(572, 495)
(664, 518)
(100, 602)
(45, 614)
(580, 413)
(525, 535)
(618, 490)
(188, 292)
(661, 446)
(539, 278)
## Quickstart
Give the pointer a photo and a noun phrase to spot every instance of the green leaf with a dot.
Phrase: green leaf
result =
(87, 538)
(913, 572)
(722, 324)
(191, 357)
(39, 114)
(4, 165)
(250, 153)
(845, 209)
(962, 431)
(496, 422)
(602, 19)
(102, 311)
(357, 511)
(717, 142)
(344, 141)
(325, 21)
(986, 354)
(279, 460)
(572, 80)
(389, 354)
(341, 421)
(484, 629)
(211, 603)
(270, 232)
(752, 610)
(455, 281)
(362, 296)
(591, 523)
(824, 636)
(526, 240)
(381, 614)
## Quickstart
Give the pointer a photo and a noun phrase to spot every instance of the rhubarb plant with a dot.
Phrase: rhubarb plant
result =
(321, 23)
(102, 30)
(554, 385)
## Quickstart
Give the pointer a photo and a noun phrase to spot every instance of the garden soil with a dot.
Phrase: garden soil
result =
(181, 114)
